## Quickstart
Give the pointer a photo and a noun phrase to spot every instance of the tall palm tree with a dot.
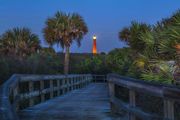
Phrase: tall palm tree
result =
(19, 42)
(63, 29)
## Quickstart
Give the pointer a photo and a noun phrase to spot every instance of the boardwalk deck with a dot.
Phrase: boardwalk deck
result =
(90, 103)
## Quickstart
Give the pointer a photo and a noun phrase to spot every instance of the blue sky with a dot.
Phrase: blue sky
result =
(105, 18)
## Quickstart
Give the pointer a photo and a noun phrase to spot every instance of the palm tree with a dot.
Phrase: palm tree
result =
(63, 29)
(131, 35)
(170, 38)
(124, 34)
(19, 42)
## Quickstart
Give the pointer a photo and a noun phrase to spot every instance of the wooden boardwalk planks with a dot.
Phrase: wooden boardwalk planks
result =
(89, 103)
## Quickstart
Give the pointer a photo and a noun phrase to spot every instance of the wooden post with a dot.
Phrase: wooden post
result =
(169, 109)
(67, 84)
(87, 80)
(15, 93)
(105, 78)
(111, 89)
(63, 85)
(81, 82)
(78, 82)
(31, 88)
(71, 84)
(58, 86)
(51, 89)
(112, 95)
(132, 103)
(95, 79)
(41, 89)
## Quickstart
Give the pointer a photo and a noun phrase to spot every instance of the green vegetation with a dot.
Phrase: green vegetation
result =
(153, 51)
(95, 65)
(154, 48)
(19, 42)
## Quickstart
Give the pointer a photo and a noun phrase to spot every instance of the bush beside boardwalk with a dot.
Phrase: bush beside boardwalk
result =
(117, 61)
(48, 64)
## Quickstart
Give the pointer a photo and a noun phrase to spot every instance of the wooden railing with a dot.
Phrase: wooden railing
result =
(99, 78)
(163, 96)
(22, 91)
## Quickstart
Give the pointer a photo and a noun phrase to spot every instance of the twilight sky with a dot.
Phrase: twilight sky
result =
(105, 18)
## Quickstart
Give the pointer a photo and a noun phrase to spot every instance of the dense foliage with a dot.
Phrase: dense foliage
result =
(19, 42)
(34, 64)
(156, 48)
(95, 65)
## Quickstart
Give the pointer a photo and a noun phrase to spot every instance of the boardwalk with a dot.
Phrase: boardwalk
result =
(89, 103)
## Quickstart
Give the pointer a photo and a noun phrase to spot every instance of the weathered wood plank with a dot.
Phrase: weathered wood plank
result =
(8, 110)
(134, 110)
(132, 103)
(31, 89)
(169, 109)
(90, 103)
(41, 89)
(167, 92)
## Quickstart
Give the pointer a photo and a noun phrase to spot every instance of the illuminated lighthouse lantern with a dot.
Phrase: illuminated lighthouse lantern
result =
(94, 50)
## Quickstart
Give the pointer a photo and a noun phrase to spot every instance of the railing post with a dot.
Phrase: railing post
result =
(111, 89)
(58, 87)
(31, 88)
(15, 95)
(86, 80)
(77, 80)
(74, 83)
(63, 85)
(169, 110)
(95, 78)
(132, 103)
(41, 89)
(51, 89)
(112, 95)
(71, 84)
(67, 84)
(80, 82)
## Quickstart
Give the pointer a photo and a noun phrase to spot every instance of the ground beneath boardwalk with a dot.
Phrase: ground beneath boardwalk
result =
(89, 103)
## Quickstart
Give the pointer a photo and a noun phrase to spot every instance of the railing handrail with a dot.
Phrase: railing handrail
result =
(168, 93)
(6, 108)
(160, 90)
(7, 111)
(141, 81)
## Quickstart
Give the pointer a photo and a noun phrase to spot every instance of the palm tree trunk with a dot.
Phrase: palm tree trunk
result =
(66, 61)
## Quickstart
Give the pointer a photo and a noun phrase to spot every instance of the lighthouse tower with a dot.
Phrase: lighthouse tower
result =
(94, 50)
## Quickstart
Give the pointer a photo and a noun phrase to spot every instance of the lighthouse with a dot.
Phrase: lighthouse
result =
(94, 50)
